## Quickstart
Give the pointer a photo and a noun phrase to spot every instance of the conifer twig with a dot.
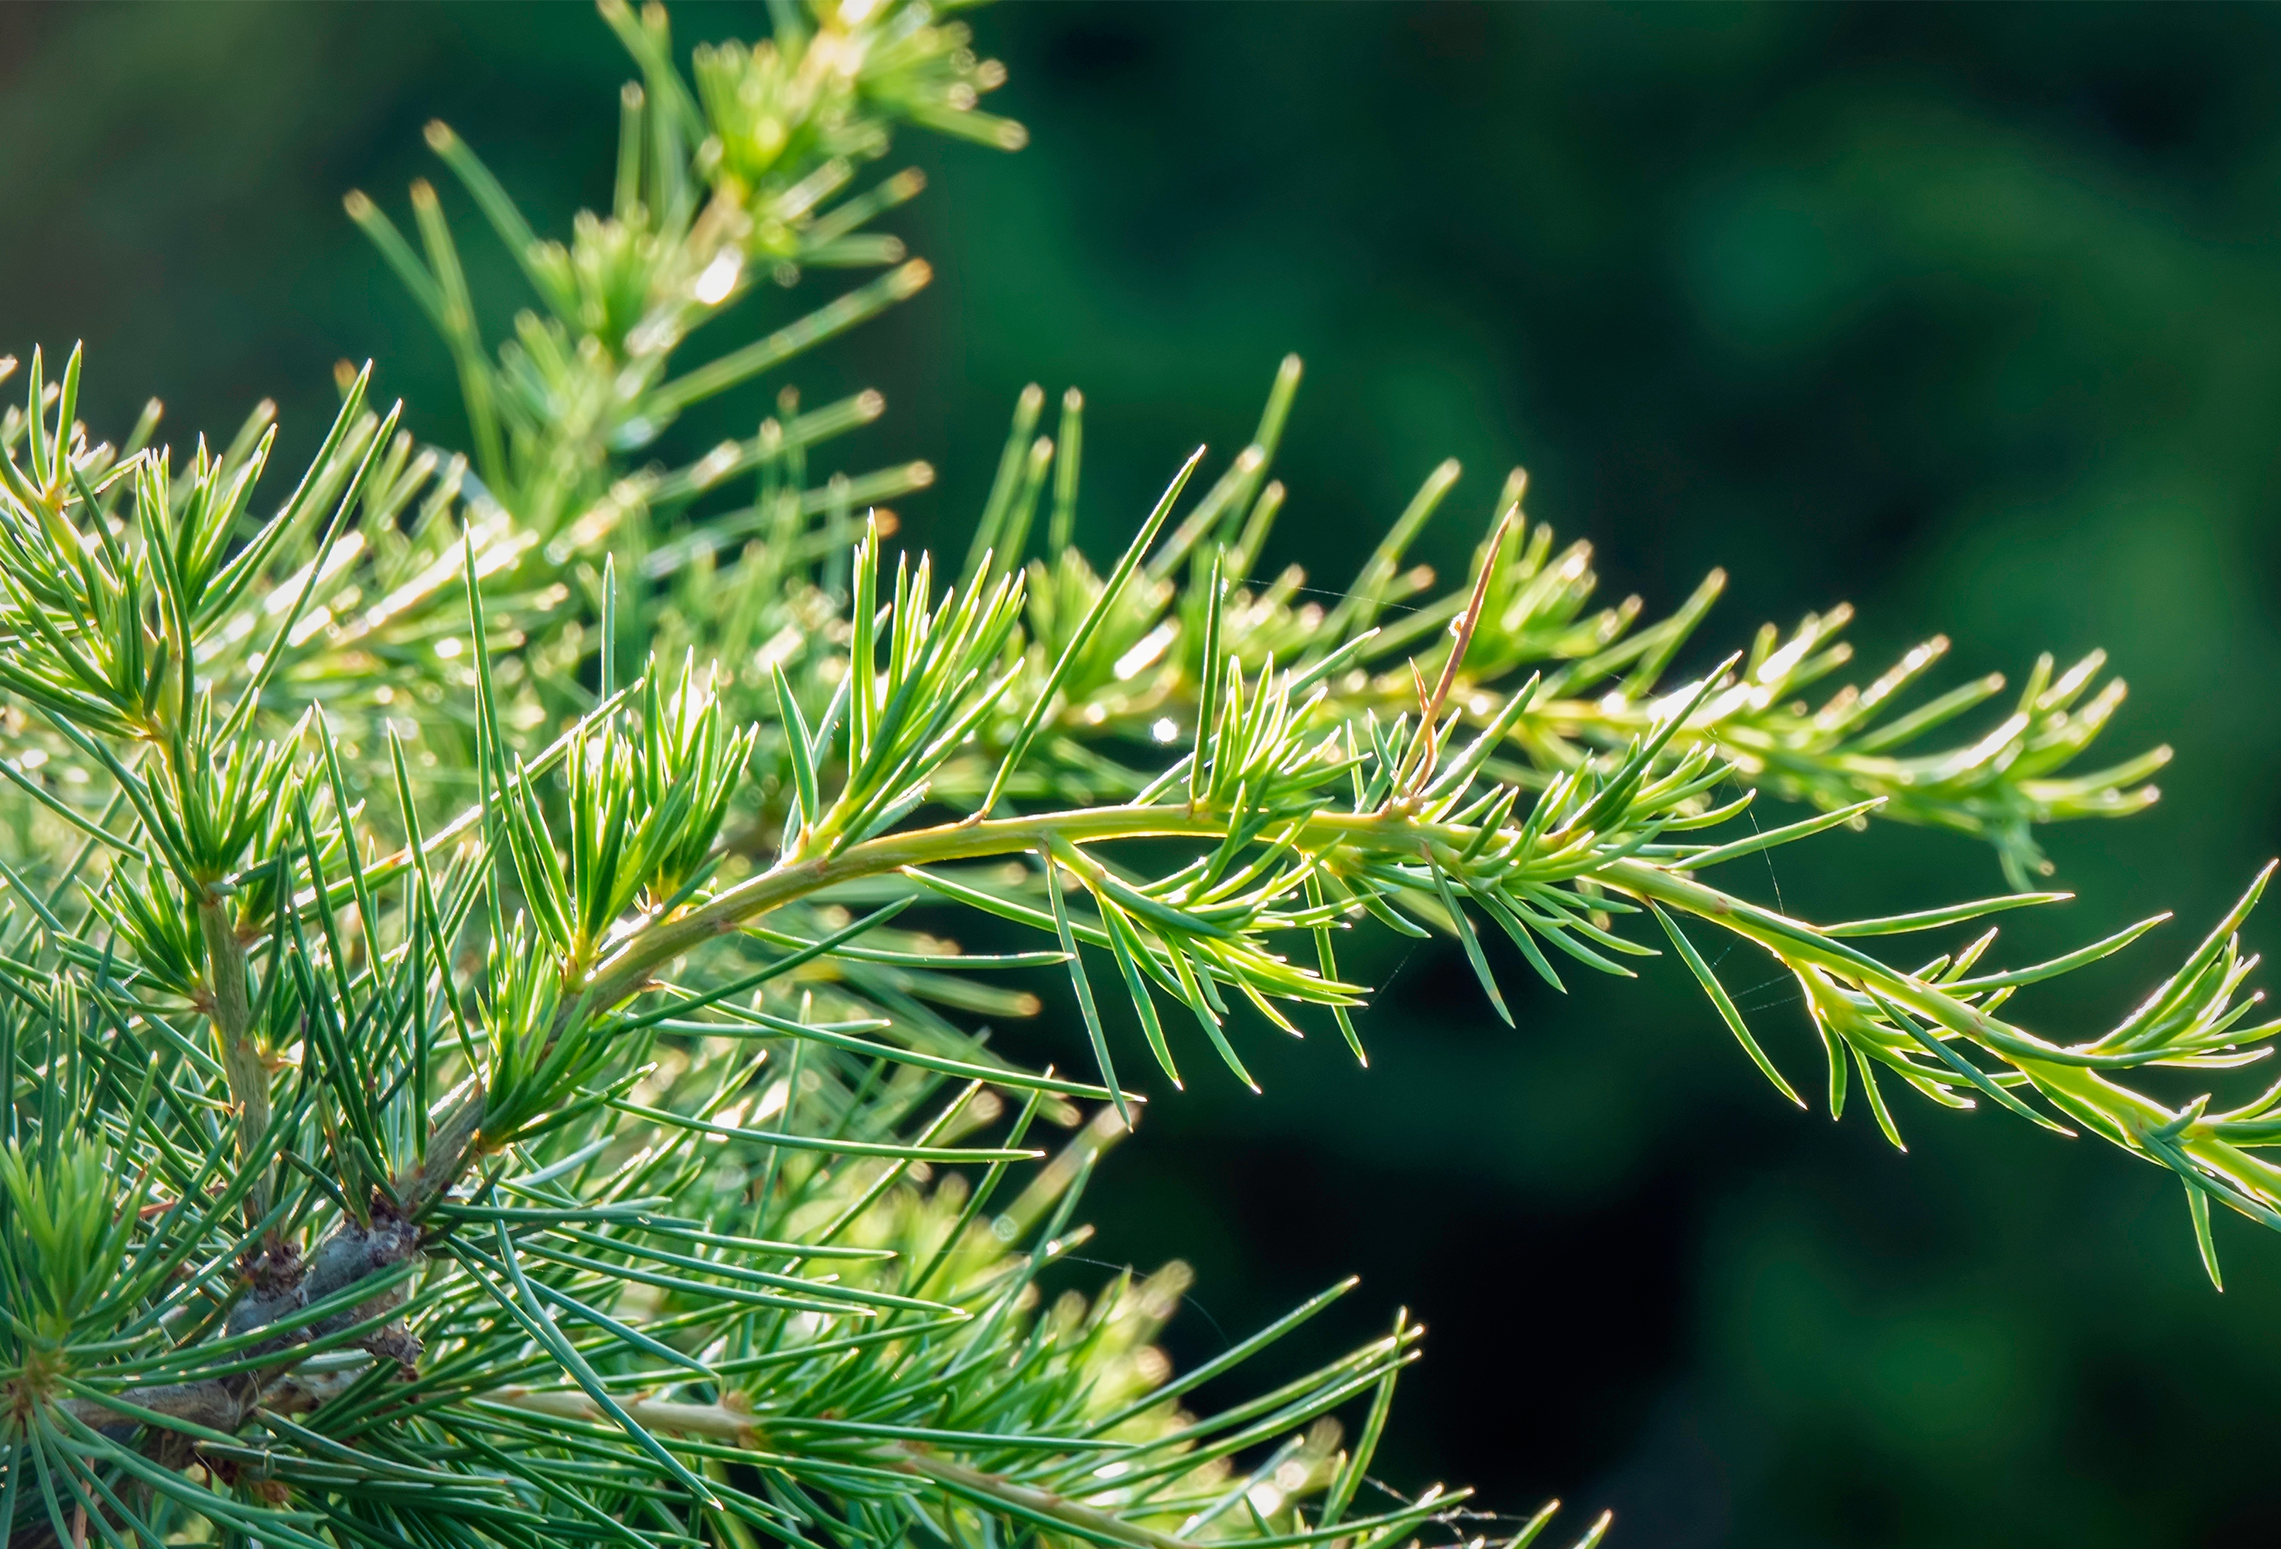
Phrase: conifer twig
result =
(462, 1090)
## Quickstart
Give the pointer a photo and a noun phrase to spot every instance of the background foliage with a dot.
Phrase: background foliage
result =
(1960, 315)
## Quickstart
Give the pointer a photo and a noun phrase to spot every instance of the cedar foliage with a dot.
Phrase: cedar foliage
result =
(485, 1063)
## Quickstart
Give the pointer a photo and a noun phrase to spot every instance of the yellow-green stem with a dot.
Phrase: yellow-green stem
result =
(244, 1066)
(629, 969)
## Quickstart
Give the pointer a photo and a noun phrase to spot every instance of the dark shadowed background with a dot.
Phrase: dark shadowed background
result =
(1971, 316)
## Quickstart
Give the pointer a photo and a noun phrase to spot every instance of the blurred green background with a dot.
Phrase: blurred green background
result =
(1971, 316)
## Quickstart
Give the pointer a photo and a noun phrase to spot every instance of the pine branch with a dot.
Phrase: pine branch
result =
(518, 1102)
